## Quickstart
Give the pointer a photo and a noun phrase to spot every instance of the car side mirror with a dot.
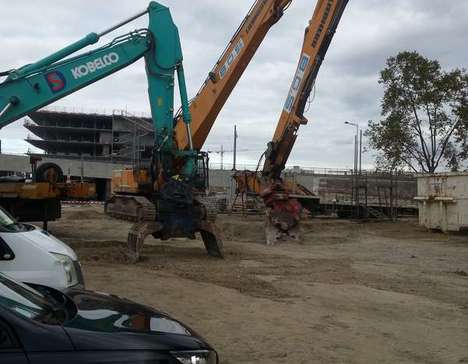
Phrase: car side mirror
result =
(5, 251)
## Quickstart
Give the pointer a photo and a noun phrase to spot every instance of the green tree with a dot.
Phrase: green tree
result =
(425, 115)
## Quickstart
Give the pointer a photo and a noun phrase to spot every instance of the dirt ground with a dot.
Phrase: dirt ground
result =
(348, 293)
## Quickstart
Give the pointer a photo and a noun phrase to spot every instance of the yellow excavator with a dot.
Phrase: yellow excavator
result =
(284, 200)
(129, 186)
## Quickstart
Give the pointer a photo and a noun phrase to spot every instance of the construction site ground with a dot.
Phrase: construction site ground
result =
(350, 292)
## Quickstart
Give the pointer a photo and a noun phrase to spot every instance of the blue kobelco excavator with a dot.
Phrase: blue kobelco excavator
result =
(176, 174)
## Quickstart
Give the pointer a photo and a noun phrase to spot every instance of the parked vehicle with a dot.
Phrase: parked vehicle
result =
(30, 254)
(39, 324)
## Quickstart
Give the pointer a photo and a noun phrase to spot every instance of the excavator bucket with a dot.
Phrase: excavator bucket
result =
(281, 226)
(274, 234)
(137, 236)
(211, 237)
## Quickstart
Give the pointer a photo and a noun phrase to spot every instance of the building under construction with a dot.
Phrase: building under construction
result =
(118, 137)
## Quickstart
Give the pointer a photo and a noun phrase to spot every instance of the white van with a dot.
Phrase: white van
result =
(32, 255)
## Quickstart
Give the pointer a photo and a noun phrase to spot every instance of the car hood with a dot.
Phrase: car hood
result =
(108, 322)
(41, 239)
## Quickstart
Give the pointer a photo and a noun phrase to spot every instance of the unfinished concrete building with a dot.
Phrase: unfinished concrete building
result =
(117, 137)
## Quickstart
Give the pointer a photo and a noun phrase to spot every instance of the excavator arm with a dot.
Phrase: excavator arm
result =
(35, 86)
(317, 39)
(39, 84)
(222, 79)
(282, 206)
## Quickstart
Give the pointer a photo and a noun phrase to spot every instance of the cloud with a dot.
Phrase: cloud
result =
(347, 87)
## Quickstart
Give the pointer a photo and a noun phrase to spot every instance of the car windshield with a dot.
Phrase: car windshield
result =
(27, 302)
(8, 224)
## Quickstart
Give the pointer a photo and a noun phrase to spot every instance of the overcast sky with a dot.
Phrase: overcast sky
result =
(347, 86)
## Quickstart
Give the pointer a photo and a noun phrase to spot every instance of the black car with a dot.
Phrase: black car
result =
(39, 325)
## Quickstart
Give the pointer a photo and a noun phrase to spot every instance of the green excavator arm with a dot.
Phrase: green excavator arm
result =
(34, 86)
(26, 91)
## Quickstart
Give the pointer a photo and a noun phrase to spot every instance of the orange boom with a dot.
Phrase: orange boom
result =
(283, 202)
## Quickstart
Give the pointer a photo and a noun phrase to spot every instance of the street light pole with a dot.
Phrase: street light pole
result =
(356, 138)
(235, 149)
(357, 161)
(360, 152)
(222, 157)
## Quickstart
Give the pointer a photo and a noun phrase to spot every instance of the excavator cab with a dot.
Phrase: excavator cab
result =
(201, 180)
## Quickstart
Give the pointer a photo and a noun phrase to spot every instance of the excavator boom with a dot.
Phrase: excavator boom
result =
(317, 39)
(39, 84)
(213, 94)
(283, 208)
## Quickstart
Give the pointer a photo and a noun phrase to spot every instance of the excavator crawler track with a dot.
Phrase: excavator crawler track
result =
(130, 208)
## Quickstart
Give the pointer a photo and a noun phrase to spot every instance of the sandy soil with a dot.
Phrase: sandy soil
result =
(349, 293)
